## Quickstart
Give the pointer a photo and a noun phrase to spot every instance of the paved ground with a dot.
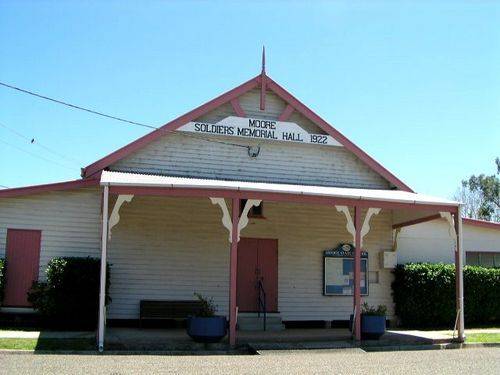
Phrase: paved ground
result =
(120, 335)
(351, 361)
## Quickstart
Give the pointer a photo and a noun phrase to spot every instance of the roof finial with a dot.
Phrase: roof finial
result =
(263, 59)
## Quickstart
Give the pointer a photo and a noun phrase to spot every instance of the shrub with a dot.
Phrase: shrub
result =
(380, 310)
(424, 295)
(2, 279)
(70, 296)
(208, 307)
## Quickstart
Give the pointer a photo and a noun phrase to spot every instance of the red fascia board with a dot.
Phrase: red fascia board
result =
(35, 189)
(481, 223)
(178, 122)
(274, 197)
(416, 221)
(303, 109)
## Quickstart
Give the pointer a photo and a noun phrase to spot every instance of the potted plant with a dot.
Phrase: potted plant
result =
(373, 321)
(205, 326)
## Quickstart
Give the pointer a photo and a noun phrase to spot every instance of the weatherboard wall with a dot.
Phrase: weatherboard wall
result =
(190, 154)
(433, 242)
(69, 221)
(169, 248)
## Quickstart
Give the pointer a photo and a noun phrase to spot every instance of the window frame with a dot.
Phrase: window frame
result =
(251, 212)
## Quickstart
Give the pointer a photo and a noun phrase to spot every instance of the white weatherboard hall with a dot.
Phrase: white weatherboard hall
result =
(249, 194)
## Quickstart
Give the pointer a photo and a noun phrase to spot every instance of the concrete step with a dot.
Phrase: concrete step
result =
(255, 320)
(255, 323)
(254, 314)
(259, 327)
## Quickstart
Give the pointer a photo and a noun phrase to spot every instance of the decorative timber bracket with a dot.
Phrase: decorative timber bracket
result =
(115, 214)
(226, 217)
(365, 228)
(451, 222)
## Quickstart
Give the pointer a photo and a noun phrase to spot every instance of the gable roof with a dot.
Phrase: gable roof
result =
(227, 97)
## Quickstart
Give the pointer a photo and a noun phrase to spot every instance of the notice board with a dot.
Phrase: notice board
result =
(339, 271)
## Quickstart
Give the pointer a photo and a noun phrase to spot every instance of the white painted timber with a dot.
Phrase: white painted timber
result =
(349, 225)
(365, 228)
(114, 218)
(147, 180)
(181, 154)
(226, 217)
(243, 219)
(260, 129)
(432, 241)
(169, 248)
(69, 221)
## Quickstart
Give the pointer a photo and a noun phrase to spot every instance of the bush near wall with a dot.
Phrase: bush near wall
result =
(70, 296)
(2, 279)
(424, 295)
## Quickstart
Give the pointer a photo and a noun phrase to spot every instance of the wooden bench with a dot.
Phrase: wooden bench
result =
(171, 310)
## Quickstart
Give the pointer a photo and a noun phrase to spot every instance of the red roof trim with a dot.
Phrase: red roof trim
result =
(178, 122)
(372, 163)
(235, 103)
(287, 112)
(35, 189)
(416, 221)
(227, 97)
(481, 223)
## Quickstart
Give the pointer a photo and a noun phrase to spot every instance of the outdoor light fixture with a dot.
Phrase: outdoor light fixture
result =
(253, 151)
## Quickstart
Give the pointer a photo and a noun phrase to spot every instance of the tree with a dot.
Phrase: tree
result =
(472, 201)
(481, 196)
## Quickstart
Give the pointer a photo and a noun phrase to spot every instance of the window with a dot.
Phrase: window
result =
(255, 211)
(482, 258)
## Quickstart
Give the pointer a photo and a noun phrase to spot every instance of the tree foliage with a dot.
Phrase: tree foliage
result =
(481, 195)
(70, 296)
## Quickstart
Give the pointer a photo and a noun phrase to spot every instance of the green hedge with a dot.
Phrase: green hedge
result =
(424, 295)
(2, 279)
(70, 296)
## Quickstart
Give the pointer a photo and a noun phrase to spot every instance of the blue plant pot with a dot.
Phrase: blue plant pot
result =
(372, 326)
(207, 330)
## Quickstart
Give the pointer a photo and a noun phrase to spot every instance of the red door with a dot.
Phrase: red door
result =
(257, 261)
(23, 260)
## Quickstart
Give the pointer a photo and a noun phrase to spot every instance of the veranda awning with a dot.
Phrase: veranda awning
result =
(121, 179)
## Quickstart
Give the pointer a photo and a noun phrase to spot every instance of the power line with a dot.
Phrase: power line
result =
(34, 141)
(76, 106)
(35, 155)
(73, 106)
(3, 186)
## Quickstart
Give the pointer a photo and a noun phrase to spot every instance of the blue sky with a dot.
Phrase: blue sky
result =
(415, 84)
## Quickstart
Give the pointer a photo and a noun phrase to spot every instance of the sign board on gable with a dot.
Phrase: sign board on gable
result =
(260, 129)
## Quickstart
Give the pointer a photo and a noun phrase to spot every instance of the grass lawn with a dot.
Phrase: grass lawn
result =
(483, 337)
(47, 344)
